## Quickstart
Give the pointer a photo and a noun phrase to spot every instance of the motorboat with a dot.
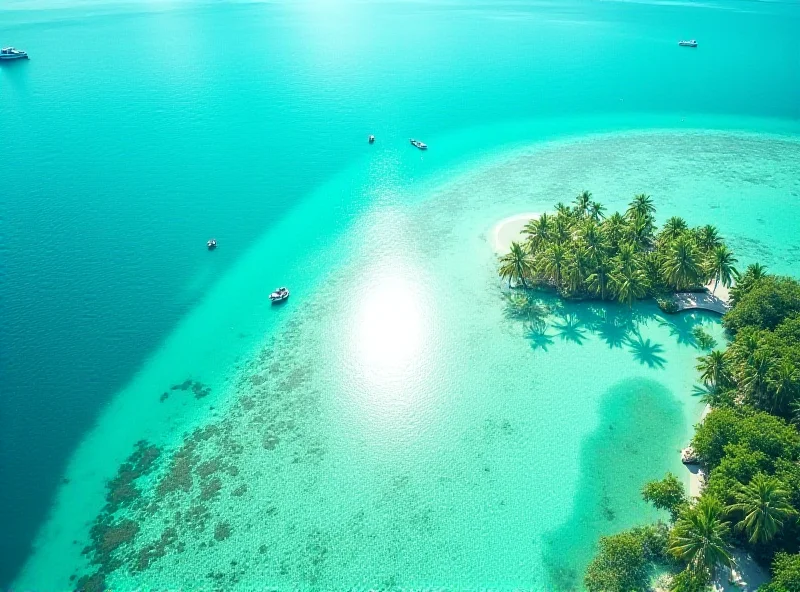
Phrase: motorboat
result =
(372, 139)
(212, 244)
(279, 295)
(418, 144)
(11, 53)
(691, 43)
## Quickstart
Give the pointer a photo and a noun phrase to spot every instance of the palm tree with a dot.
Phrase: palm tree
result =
(640, 231)
(553, 261)
(582, 202)
(593, 240)
(642, 205)
(538, 232)
(614, 227)
(562, 209)
(753, 273)
(784, 385)
(596, 210)
(674, 228)
(560, 229)
(708, 238)
(575, 269)
(765, 506)
(650, 264)
(682, 266)
(700, 536)
(714, 369)
(755, 376)
(628, 283)
(600, 278)
(721, 267)
(626, 257)
(516, 265)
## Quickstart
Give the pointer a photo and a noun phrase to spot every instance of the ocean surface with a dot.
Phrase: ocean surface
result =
(394, 424)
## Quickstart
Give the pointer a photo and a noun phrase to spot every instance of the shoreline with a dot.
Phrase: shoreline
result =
(509, 230)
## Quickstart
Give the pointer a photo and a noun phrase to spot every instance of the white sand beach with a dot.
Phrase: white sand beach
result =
(508, 230)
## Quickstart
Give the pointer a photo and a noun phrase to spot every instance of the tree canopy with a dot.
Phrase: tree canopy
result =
(582, 253)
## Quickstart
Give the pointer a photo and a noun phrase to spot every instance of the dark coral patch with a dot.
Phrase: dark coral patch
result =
(222, 531)
(210, 490)
(179, 475)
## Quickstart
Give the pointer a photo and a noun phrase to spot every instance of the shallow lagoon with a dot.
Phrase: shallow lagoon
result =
(397, 404)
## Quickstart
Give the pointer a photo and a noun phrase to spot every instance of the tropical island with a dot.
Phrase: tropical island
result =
(748, 444)
(582, 254)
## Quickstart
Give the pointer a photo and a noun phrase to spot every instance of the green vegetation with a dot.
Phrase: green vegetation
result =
(666, 494)
(749, 445)
(785, 574)
(624, 560)
(700, 537)
(582, 254)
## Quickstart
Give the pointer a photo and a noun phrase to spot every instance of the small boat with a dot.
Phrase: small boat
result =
(418, 144)
(691, 43)
(279, 295)
(212, 244)
(10, 53)
(372, 139)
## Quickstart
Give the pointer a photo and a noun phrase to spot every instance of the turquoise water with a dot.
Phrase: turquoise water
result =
(391, 407)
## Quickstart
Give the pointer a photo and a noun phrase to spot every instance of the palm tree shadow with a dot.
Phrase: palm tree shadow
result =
(536, 333)
(571, 329)
(706, 393)
(524, 306)
(681, 328)
(646, 352)
(615, 328)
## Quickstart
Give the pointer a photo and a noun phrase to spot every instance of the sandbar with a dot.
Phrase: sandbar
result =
(510, 229)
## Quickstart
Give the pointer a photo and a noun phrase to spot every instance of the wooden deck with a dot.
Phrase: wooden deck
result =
(701, 301)
(716, 299)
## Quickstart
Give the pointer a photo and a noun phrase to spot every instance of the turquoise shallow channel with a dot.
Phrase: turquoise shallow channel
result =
(392, 425)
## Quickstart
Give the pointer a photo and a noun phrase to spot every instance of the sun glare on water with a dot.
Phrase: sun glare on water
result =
(387, 359)
(389, 333)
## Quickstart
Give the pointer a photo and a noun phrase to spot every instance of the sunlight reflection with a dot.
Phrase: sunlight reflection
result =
(390, 350)
(389, 332)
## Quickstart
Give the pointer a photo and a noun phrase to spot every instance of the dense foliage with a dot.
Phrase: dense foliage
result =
(584, 254)
(666, 494)
(785, 574)
(749, 445)
(624, 560)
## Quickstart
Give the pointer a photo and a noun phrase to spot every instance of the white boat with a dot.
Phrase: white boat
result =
(279, 295)
(10, 53)
(372, 139)
(418, 144)
(212, 244)
(691, 43)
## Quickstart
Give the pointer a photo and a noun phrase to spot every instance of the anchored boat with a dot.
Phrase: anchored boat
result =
(691, 43)
(11, 53)
(418, 144)
(279, 295)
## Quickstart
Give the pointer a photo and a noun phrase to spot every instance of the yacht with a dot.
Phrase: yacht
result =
(279, 295)
(418, 144)
(691, 43)
(10, 53)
